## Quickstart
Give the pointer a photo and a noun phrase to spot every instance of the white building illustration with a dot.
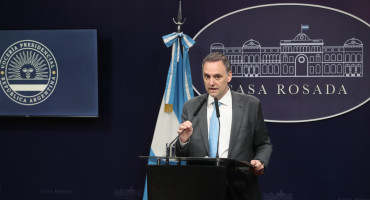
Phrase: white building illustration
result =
(300, 57)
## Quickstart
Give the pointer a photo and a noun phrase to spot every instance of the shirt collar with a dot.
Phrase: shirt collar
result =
(225, 100)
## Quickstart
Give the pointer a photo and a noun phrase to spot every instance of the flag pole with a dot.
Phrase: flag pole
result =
(179, 23)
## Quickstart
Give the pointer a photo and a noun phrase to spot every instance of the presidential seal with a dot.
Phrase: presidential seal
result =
(28, 72)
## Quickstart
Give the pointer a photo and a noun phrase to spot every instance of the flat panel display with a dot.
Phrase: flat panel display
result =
(49, 73)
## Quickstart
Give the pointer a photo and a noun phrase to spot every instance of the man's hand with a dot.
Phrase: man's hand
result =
(258, 168)
(188, 127)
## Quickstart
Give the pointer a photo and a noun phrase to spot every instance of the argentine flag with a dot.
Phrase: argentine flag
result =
(304, 27)
(179, 89)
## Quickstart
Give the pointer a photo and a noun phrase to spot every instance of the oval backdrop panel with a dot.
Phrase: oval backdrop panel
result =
(305, 62)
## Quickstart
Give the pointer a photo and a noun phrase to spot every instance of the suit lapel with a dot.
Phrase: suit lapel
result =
(204, 126)
(237, 116)
(202, 123)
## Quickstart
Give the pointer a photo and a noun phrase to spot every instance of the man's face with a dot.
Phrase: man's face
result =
(216, 78)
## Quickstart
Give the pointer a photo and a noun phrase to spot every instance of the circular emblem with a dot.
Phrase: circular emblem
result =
(301, 59)
(28, 72)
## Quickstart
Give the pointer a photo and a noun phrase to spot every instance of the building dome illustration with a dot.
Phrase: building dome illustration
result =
(353, 42)
(251, 44)
(301, 36)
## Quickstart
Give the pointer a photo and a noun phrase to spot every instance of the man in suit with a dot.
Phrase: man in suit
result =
(242, 132)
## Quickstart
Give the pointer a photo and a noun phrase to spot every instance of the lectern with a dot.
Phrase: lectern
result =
(191, 178)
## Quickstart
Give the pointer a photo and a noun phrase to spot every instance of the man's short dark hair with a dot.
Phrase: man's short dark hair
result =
(215, 57)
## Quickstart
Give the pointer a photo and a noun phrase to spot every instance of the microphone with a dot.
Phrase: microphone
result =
(218, 117)
(177, 137)
(217, 109)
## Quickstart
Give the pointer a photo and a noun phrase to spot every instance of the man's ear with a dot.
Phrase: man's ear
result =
(229, 76)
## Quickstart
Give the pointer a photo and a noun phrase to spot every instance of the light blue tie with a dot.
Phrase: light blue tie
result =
(213, 133)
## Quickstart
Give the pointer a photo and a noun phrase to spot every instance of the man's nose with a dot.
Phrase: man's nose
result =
(211, 81)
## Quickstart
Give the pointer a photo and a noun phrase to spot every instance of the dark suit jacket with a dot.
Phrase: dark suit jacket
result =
(249, 138)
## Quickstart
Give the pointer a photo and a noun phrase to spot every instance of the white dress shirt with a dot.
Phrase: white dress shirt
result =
(225, 122)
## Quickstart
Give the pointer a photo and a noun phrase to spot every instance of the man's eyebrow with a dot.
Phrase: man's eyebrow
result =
(213, 75)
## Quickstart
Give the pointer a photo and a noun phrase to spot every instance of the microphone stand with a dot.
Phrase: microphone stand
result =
(168, 147)
(218, 136)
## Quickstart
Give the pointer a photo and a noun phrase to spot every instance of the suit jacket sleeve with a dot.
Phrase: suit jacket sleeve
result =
(183, 151)
(262, 144)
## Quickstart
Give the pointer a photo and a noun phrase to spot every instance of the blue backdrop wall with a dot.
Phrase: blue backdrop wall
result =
(97, 158)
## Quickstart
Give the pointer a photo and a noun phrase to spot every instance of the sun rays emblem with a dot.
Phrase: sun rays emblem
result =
(28, 65)
(28, 72)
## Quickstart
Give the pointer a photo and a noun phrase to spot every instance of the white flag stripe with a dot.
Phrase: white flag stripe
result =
(187, 86)
(28, 87)
(165, 131)
(178, 50)
(169, 38)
